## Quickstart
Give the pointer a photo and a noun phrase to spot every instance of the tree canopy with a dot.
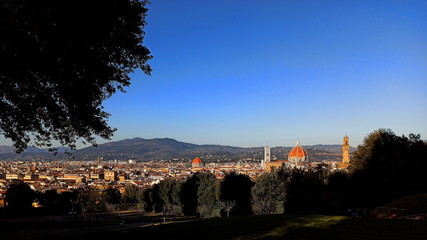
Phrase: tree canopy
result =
(59, 60)
(386, 166)
(19, 196)
(237, 187)
(268, 193)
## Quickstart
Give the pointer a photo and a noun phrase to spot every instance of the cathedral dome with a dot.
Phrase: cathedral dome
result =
(197, 161)
(297, 153)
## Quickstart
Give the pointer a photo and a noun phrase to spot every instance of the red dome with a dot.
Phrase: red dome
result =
(298, 153)
(197, 160)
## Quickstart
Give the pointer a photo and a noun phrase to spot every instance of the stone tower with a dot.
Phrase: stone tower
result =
(345, 151)
(267, 156)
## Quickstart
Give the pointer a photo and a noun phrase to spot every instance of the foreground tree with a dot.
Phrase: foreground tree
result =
(59, 60)
(208, 195)
(305, 191)
(170, 196)
(112, 196)
(237, 188)
(130, 195)
(269, 193)
(386, 167)
(49, 200)
(19, 196)
(90, 201)
(200, 195)
(228, 206)
(189, 195)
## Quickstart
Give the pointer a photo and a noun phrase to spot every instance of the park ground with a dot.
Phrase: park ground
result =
(287, 226)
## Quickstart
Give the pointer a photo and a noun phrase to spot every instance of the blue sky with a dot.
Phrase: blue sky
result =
(252, 73)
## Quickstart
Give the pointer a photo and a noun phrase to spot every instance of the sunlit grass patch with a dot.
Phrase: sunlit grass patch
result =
(309, 222)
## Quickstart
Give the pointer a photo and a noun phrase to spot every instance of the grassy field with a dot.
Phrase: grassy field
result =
(273, 227)
(286, 226)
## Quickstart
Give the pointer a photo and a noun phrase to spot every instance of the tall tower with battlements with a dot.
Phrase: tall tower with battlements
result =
(345, 151)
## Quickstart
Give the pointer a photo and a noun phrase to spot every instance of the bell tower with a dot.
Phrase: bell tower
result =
(345, 151)
(267, 156)
(267, 152)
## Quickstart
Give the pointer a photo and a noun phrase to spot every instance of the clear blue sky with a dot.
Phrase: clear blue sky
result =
(251, 73)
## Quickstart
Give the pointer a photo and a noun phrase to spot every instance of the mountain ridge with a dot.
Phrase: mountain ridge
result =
(159, 148)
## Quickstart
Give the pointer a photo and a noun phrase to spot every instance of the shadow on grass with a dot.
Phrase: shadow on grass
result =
(286, 226)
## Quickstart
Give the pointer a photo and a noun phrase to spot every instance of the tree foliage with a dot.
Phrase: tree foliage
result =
(200, 195)
(386, 167)
(130, 195)
(170, 196)
(268, 193)
(112, 196)
(90, 200)
(305, 191)
(237, 188)
(146, 199)
(49, 199)
(19, 196)
(59, 60)
(208, 195)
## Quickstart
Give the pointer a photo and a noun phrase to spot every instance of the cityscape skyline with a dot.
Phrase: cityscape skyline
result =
(247, 74)
(213, 119)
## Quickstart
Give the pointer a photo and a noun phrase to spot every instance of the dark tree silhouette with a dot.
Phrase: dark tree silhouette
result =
(305, 191)
(59, 60)
(386, 167)
(112, 196)
(90, 200)
(130, 195)
(170, 195)
(200, 194)
(208, 195)
(337, 192)
(146, 198)
(189, 195)
(49, 200)
(19, 196)
(237, 187)
(67, 201)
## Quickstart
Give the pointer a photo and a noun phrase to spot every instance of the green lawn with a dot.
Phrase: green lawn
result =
(273, 227)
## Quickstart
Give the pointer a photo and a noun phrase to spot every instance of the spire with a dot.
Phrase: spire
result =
(298, 142)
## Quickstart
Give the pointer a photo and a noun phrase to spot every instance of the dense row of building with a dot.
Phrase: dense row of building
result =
(67, 175)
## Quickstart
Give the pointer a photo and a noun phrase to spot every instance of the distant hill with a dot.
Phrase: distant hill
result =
(164, 148)
(9, 149)
(31, 153)
(158, 148)
(335, 148)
